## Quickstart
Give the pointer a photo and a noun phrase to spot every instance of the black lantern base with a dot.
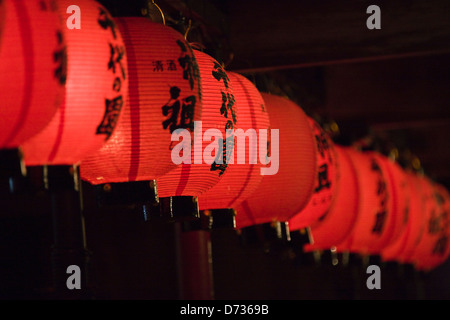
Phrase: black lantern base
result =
(12, 171)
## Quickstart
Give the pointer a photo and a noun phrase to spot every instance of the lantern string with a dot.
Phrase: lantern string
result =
(188, 29)
(160, 11)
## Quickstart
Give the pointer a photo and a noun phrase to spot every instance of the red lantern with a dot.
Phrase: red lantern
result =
(320, 201)
(371, 231)
(286, 192)
(335, 225)
(419, 194)
(441, 249)
(401, 188)
(433, 247)
(218, 113)
(164, 88)
(32, 69)
(96, 90)
(243, 175)
(398, 210)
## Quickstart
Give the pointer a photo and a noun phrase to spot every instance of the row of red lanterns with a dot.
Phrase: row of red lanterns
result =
(109, 96)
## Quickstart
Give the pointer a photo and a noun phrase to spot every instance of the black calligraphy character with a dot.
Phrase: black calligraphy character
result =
(106, 22)
(112, 112)
(171, 66)
(322, 144)
(60, 57)
(441, 245)
(116, 55)
(220, 160)
(227, 105)
(189, 65)
(379, 222)
(172, 109)
(117, 85)
(375, 166)
(187, 113)
(158, 65)
(268, 145)
(434, 223)
(323, 178)
(220, 74)
(381, 188)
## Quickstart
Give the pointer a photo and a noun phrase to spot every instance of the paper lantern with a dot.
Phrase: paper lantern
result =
(322, 196)
(285, 192)
(244, 174)
(96, 90)
(402, 193)
(32, 69)
(201, 168)
(371, 231)
(441, 248)
(403, 249)
(433, 247)
(164, 95)
(396, 220)
(332, 228)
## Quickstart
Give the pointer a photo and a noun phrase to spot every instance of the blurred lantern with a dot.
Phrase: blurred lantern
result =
(96, 90)
(399, 205)
(32, 69)
(164, 95)
(433, 247)
(419, 205)
(202, 163)
(402, 207)
(334, 226)
(320, 201)
(243, 175)
(372, 229)
(287, 187)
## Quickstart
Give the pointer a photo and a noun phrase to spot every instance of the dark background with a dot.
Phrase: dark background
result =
(389, 87)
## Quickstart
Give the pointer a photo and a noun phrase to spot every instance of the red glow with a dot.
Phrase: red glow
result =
(340, 218)
(96, 90)
(140, 147)
(322, 196)
(282, 195)
(240, 180)
(371, 231)
(31, 90)
(195, 178)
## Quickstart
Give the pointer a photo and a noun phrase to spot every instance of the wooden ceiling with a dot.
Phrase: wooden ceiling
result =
(391, 85)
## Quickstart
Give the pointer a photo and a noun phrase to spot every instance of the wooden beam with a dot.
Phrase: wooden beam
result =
(271, 35)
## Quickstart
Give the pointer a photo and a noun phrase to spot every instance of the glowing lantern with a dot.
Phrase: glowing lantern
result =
(32, 69)
(403, 249)
(433, 247)
(403, 192)
(322, 196)
(96, 90)
(243, 175)
(398, 217)
(164, 95)
(203, 163)
(371, 231)
(284, 192)
(335, 225)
